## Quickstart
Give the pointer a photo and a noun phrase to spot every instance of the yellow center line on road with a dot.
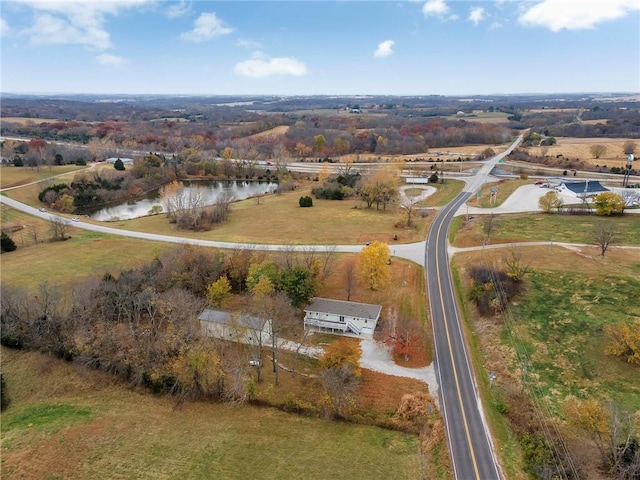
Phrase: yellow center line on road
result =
(453, 362)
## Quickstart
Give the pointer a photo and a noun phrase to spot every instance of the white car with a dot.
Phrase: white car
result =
(75, 219)
(255, 363)
(43, 209)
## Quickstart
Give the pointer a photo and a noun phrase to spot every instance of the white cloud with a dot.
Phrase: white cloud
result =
(575, 15)
(436, 8)
(177, 10)
(109, 60)
(206, 27)
(476, 15)
(243, 42)
(5, 29)
(75, 22)
(384, 49)
(262, 66)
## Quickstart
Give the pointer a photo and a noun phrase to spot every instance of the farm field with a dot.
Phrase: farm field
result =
(65, 422)
(579, 148)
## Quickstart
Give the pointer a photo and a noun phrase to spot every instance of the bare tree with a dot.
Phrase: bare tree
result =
(604, 236)
(350, 271)
(59, 229)
(598, 150)
(488, 226)
(408, 204)
(629, 147)
(517, 268)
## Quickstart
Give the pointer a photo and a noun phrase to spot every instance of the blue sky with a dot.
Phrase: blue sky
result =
(447, 47)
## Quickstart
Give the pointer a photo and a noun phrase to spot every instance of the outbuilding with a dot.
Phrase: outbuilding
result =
(242, 327)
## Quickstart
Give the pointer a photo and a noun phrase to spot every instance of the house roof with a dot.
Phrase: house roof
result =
(585, 187)
(342, 307)
(224, 317)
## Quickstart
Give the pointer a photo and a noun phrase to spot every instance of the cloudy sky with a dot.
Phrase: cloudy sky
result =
(448, 47)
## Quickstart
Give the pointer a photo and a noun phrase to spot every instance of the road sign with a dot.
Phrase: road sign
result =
(494, 191)
(478, 194)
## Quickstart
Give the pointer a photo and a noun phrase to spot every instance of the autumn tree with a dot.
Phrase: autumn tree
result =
(373, 265)
(379, 188)
(550, 201)
(598, 150)
(340, 375)
(609, 203)
(219, 292)
(516, 268)
(591, 417)
(319, 142)
(624, 341)
(198, 373)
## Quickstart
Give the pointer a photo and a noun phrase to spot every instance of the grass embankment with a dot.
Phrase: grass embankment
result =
(65, 422)
(504, 190)
(537, 227)
(556, 326)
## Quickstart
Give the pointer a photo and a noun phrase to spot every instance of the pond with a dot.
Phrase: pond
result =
(209, 190)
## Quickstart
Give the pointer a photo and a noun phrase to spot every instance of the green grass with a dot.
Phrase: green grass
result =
(505, 189)
(560, 228)
(85, 253)
(132, 435)
(445, 193)
(561, 321)
(46, 416)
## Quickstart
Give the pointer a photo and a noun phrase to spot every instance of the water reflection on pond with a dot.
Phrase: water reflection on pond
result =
(209, 190)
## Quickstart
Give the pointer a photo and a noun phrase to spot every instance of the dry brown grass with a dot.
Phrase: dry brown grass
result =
(278, 131)
(25, 120)
(578, 148)
(132, 434)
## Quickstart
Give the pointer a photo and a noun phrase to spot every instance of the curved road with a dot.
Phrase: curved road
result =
(470, 444)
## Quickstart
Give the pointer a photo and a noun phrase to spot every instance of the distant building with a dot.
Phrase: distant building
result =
(581, 189)
(341, 317)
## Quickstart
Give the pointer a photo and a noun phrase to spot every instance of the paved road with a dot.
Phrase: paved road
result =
(470, 446)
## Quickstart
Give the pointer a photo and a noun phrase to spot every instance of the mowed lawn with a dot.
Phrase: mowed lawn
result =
(13, 176)
(67, 422)
(531, 227)
(278, 219)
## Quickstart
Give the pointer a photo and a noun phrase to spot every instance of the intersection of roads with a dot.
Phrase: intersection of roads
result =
(470, 445)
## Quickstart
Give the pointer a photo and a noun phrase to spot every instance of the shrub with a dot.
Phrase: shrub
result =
(6, 243)
(433, 178)
(306, 201)
(119, 165)
(81, 161)
(17, 161)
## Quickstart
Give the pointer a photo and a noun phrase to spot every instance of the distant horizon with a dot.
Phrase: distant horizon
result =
(463, 95)
(319, 48)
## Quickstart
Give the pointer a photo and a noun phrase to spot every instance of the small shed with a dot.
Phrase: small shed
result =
(240, 327)
(342, 317)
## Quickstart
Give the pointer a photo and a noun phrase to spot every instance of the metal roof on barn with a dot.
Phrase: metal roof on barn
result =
(342, 307)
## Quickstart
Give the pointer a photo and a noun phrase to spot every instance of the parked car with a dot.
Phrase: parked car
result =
(255, 363)
(42, 209)
(539, 182)
(75, 219)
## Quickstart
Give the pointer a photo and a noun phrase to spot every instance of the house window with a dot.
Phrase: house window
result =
(342, 318)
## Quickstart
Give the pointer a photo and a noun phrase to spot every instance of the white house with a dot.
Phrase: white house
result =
(341, 317)
(236, 328)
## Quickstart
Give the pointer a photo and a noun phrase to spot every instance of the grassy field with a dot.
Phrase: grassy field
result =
(13, 176)
(279, 219)
(65, 422)
(558, 322)
(505, 189)
(579, 148)
(527, 227)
